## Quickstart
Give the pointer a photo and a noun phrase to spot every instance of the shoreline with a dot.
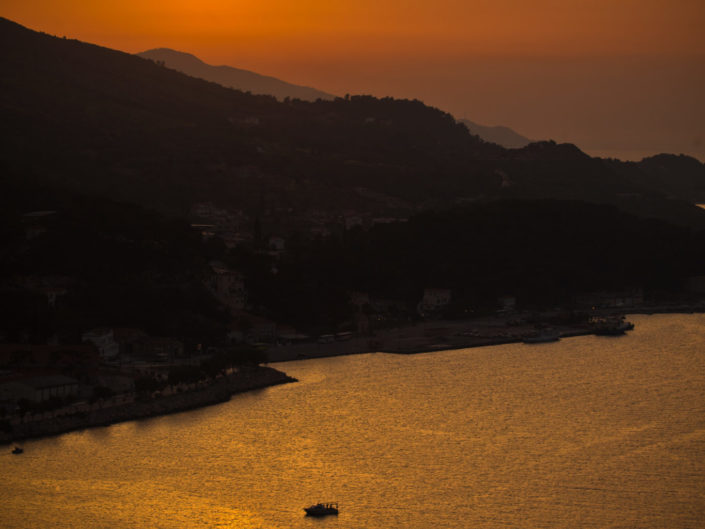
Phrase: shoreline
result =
(220, 391)
(440, 335)
(408, 346)
(427, 337)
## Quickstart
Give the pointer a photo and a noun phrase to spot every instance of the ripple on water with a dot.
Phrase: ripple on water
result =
(586, 432)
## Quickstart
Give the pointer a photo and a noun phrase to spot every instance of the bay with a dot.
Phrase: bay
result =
(589, 432)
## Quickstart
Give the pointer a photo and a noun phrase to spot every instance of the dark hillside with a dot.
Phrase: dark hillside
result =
(123, 126)
(113, 124)
(110, 264)
(543, 252)
(680, 176)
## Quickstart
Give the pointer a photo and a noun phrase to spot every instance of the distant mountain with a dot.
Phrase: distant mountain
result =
(500, 135)
(233, 77)
(113, 124)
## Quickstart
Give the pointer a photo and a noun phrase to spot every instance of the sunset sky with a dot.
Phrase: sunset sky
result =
(613, 76)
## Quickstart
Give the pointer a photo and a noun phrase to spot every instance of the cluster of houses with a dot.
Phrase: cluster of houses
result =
(121, 345)
(109, 358)
(236, 227)
(37, 373)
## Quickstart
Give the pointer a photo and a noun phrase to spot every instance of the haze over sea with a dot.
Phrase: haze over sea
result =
(588, 432)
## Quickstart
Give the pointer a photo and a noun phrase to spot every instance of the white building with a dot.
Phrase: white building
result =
(104, 339)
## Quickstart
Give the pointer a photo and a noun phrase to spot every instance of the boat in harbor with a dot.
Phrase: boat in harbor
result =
(611, 326)
(322, 509)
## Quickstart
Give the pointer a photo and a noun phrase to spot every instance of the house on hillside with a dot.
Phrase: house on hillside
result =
(434, 301)
(252, 329)
(104, 339)
(48, 357)
(158, 348)
(126, 337)
(507, 303)
(37, 222)
(601, 300)
(227, 285)
(361, 302)
(115, 381)
(277, 246)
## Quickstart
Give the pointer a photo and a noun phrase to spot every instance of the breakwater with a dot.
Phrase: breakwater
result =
(219, 391)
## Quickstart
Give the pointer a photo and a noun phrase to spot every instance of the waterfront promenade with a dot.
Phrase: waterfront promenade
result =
(128, 407)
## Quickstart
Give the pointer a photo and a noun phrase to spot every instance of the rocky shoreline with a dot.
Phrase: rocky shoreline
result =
(219, 391)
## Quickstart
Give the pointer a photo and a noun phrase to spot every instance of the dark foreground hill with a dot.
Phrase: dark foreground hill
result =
(545, 253)
(70, 262)
(113, 124)
(230, 77)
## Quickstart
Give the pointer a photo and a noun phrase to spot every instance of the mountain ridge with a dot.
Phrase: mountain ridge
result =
(232, 77)
(115, 124)
(499, 134)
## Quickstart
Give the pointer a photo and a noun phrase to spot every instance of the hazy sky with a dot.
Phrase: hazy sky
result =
(620, 76)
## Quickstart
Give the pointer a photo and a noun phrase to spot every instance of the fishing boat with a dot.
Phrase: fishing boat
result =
(322, 509)
(611, 326)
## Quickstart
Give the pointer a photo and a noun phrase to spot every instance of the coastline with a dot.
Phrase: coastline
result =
(220, 391)
(426, 337)
(421, 338)
(395, 342)
(430, 336)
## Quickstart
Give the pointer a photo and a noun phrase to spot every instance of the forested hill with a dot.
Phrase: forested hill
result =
(114, 124)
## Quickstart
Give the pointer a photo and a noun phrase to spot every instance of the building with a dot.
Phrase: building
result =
(16, 357)
(126, 337)
(252, 329)
(507, 303)
(39, 388)
(227, 285)
(601, 300)
(37, 222)
(104, 339)
(115, 381)
(277, 245)
(158, 348)
(434, 301)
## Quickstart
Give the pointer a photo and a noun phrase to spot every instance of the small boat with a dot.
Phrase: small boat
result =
(627, 326)
(17, 450)
(611, 325)
(322, 509)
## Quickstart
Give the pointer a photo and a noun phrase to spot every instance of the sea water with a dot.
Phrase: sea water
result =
(587, 432)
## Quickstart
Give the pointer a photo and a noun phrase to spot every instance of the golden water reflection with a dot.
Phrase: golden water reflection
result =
(588, 432)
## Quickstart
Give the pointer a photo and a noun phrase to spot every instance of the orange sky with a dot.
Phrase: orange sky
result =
(321, 30)
(439, 51)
